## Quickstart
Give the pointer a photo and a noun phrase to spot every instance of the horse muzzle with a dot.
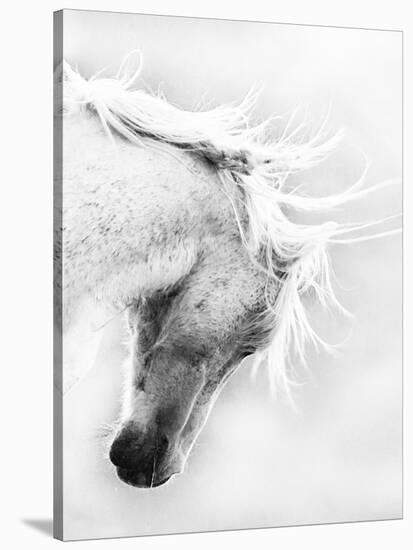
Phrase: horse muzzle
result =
(144, 459)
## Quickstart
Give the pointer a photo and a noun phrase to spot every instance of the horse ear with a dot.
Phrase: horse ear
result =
(64, 72)
(65, 78)
(68, 74)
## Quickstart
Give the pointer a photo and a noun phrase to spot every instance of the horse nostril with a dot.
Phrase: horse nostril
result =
(123, 449)
(116, 453)
(163, 443)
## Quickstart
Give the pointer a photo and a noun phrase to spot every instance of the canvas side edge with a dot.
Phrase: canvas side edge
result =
(57, 280)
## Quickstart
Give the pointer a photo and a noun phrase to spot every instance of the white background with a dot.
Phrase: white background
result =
(26, 218)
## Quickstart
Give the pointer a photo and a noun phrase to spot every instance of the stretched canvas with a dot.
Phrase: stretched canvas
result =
(228, 203)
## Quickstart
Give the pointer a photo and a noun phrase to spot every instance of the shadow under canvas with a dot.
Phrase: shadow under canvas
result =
(44, 526)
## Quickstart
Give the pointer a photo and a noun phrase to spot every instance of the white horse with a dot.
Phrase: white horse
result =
(184, 221)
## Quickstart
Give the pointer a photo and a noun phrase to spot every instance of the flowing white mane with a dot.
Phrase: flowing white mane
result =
(246, 158)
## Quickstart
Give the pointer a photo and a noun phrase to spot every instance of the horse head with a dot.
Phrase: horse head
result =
(185, 344)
